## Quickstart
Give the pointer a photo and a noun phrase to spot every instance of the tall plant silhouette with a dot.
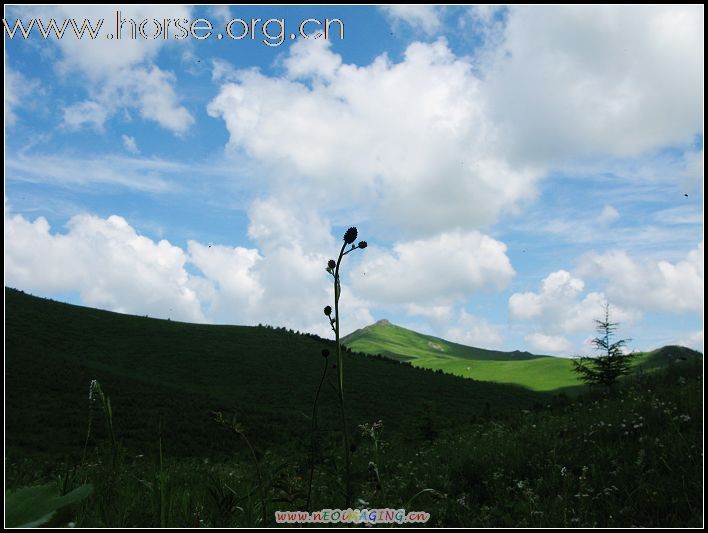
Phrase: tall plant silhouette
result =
(334, 269)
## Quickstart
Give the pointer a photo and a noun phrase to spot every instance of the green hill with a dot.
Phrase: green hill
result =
(178, 373)
(537, 372)
(470, 453)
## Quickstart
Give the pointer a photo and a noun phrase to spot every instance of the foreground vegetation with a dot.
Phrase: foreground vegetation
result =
(634, 459)
(469, 453)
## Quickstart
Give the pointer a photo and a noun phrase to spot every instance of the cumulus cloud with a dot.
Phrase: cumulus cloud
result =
(438, 270)
(111, 266)
(105, 261)
(409, 140)
(650, 285)
(120, 74)
(561, 308)
(549, 344)
(150, 90)
(578, 81)
(425, 18)
(475, 331)
(633, 287)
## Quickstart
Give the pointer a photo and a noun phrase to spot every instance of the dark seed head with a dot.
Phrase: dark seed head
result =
(331, 263)
(328, 310)
(350, 235)
(363, 244)
(325, 353)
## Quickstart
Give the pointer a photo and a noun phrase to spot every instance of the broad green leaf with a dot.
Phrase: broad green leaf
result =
(34, 506)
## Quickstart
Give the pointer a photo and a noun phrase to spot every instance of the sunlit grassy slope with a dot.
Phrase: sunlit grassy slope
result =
(537, 372)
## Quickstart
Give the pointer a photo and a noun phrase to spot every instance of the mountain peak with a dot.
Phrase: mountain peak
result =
(382, 322)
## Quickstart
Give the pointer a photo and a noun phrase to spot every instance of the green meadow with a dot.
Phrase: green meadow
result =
(535, 372)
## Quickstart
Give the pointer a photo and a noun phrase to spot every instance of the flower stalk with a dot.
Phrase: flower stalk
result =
(333, 267)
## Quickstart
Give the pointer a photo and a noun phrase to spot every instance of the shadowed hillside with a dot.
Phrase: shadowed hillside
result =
(179, 373)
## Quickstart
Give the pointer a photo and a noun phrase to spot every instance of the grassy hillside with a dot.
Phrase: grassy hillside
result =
(537, 372)
(178, 373)
(469, 453)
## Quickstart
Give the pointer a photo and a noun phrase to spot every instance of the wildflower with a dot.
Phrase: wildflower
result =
(350, 235)
(328, 310)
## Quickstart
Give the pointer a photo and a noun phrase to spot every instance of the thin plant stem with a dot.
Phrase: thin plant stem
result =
(340, 371)
(260, 476)
(314, 429)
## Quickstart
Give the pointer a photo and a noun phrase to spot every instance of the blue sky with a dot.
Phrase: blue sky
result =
(511, 168)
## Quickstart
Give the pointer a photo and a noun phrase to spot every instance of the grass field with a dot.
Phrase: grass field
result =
(536, 372)
(468, 452)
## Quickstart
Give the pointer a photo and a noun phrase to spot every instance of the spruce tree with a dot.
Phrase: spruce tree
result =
(612, 362)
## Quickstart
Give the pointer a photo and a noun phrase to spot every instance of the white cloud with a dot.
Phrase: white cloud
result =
(549, 344)
(83, 113)
(438, 314)
(312, 59)
(102, 57)
(153, 90)
(438, 270)
(130, 144)
(475, 331)
(693, 340)
(577, 81)
(693, 171)
(608, 215)
(18, 90)
(105, 261)
(230, 288)
(409, 140)
(425, 18)
(296, 245)
(142, 174)
(650, 285)
(120, 74)
(560, 307)
(221, 13)
(111, 266)
(149, 90)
